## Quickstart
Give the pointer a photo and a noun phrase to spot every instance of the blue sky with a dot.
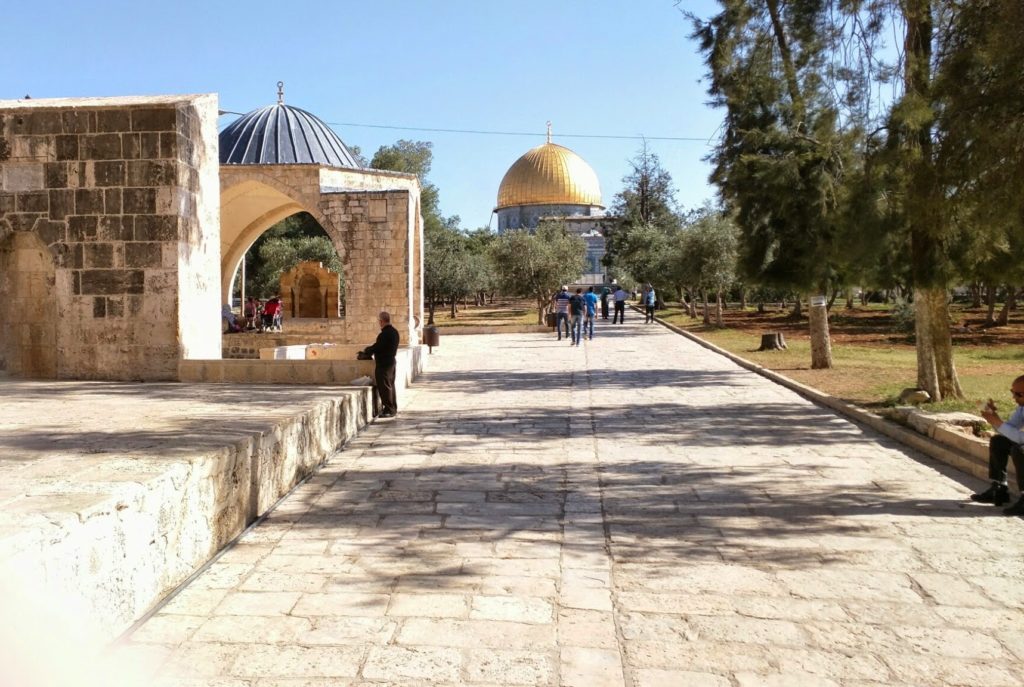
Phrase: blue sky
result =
(619, 67)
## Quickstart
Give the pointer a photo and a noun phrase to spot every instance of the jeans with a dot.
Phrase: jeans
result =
(576, 319)
(562, 317)
(1000, 450)
(588, 325)
(620, 312)
(649, 313)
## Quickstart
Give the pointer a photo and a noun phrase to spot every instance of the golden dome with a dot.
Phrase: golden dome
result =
(549, 175)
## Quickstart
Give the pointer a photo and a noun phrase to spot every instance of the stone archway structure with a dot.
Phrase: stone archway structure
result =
(310, 290)
(372, 218)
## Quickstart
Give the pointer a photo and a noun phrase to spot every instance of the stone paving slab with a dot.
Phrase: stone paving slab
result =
(635, 511)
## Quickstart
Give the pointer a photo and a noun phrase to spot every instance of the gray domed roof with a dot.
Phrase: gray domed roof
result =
(282, 135)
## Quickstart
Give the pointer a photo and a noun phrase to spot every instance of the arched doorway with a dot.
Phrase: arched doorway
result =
(310, 297)
(28, 307)
(296, 261)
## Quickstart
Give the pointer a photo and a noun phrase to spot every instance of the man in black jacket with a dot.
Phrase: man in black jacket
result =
(384, 351)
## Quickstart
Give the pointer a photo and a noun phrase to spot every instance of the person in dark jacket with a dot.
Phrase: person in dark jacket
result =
(384, 352)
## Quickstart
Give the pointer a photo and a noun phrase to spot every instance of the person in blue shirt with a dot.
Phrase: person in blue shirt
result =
(649, 301)
(561, 301)
(590, 298)
(1003, 446)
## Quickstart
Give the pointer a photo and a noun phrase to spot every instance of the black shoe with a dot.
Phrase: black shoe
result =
(1015, 509)
(387, 413)
(997, 494)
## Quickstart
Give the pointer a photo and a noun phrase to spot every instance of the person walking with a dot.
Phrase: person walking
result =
(649, 301)
(620, 305)
(577, 306)
(561, 301)
(385, 353)
(590, 300)
(1003, 446)
(605, 294)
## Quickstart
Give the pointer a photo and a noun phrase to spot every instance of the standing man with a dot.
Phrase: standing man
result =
(577, 306)
(591, 302)
(620, 305)
(1003, 446)
(384, 352)
(561, 301)
(649, 300)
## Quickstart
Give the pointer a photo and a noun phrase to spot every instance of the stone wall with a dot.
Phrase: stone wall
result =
(123, 194)
(376, 229)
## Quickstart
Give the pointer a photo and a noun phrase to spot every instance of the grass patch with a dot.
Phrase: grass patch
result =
(872, 361)
(501, 313)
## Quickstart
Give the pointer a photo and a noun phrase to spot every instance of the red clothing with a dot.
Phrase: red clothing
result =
(273, 307)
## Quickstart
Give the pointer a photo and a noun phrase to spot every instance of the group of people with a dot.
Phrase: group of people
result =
(255, 316)
(575, 313)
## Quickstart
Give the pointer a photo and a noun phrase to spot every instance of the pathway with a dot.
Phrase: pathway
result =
(637, 511)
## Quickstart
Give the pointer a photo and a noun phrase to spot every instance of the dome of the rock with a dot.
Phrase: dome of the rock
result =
(549, 174)
(280, 134)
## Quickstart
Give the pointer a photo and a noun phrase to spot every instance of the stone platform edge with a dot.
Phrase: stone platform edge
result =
(123, 555)
(965, 462)
(412, 361)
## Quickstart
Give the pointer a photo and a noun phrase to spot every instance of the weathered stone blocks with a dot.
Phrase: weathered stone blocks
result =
(123, 194)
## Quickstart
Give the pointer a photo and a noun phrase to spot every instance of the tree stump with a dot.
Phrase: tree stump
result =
(773, 342)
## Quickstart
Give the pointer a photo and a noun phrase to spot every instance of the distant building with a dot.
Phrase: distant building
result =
(551, 182)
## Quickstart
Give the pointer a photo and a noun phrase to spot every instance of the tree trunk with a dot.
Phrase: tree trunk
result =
(430, 309)
(821, 343)
(936, 373)
(797, 309)
(975, 295)
(990, 301)
(760, 307)
(849, 299)
(743, 299)
(775, 341)
(707, 309)
(718, 309)
(1010, 304)
(454, 303)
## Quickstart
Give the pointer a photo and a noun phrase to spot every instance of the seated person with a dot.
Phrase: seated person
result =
(229, 320)
(1003, 446)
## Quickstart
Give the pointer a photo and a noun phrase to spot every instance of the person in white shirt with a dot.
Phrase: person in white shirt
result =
(620, 306)
(1003, 446)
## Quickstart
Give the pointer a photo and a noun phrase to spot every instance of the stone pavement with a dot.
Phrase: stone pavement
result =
(637, 511)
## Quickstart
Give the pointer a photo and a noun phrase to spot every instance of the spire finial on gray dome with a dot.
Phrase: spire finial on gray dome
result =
(549, 131)
(280, 92)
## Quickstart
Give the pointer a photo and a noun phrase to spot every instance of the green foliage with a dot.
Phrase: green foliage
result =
(412, 157)
(292, 240)
(645, 221)
(535, 264)
(280, 255)
(780, 163)
(708, 249)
